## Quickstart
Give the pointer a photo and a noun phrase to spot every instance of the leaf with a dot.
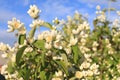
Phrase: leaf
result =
(75, 50)
(64, 58)
(48, 25)
(19, 54)
(39, 44)
(43, 59)
(42, 75)
(10, 69)
(27, 75)
(62, 64)
(21, 39)
(32, 32)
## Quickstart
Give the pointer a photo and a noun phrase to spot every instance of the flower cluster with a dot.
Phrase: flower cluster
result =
(69, 50)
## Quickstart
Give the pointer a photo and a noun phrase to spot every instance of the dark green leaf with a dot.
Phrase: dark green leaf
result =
(19, 54)
(21, 39)
(27, 75)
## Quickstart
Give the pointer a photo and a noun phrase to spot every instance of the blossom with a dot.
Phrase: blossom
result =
(4, 55)
(59, 73)
(40, 37)
(102, 17)
(68, 50)
(36, 23)
(56, 79)
(75, 31)
(22, 30)
(14, 24)
(85, 64)
(48, 38)
(118, 12)
(56, 21)
(34, 11)
(78, 74)
(57, 44)
(3, 47)
(73, 41)
(98, 7)
(48, 45)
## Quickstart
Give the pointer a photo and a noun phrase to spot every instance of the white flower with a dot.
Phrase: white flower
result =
(40, 37)
(84, 73)
(53, 33)
(73, 41)
(98, 7)
(59, 73)
(118, 78)
(22, 30)
(69, 18)
(68, 50)
(78, 74)
(56, 79)
(48, 38)
(4, 55)
(57, 44)
(94, 67)
(28, 49)
(75, 31)
(4, 67)
(58, 37)
(3, 47)
(14, 24)
(48, 45)
(118, 12)
(95, 44)
(90, 73)
(56, 21)
(116, 23)
(34, 11)
(76, 15)
(85, 65)
(36, 23)
(102, 17)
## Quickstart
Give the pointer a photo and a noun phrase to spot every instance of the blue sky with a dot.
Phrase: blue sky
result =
(50, 10)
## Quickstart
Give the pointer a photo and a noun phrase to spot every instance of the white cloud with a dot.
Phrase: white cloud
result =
(6, 15)
(101, 2)
(8, 38)
(26, 2)
(54, 9)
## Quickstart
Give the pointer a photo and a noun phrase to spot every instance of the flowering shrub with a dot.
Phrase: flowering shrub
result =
(69, 50)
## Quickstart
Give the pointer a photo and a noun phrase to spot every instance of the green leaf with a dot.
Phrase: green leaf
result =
(42, 75)
(43, 59)
(39, 44)
(19, 54)
(63, 65)
(65, 58)
(32, 32)
(48, 25)
(75, 50)
(21, 39)
(10, 69)
(27, 75)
